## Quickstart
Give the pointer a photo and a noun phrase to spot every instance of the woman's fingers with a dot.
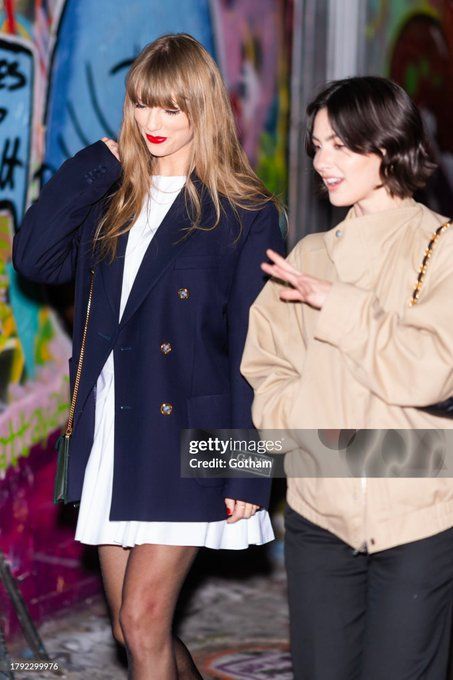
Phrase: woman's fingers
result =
(268, 268)
(250, 510)
(279, 272)
(292, 294)
(229, 502)
(304, 288)
(280, 261)
(242, 510)
(238, 513)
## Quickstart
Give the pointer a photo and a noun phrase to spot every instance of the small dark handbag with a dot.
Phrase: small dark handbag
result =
(443, 409)
(64, 440)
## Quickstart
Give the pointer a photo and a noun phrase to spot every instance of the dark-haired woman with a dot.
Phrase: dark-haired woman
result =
(347, 343)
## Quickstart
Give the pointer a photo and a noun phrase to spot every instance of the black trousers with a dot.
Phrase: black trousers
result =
(385, 616)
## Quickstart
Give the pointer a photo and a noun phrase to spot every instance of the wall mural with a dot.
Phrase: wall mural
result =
(33, 347)
(250, 39)
(411, 41)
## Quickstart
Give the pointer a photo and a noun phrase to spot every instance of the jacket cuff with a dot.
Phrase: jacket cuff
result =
(256, 491)
(102, 165)
(339, 319)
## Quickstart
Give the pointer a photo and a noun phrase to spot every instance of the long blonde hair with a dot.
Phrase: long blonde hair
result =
(176, 70)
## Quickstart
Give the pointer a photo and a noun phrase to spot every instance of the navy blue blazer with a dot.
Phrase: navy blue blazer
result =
(191, 296)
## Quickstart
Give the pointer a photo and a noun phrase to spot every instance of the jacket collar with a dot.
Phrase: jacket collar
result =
(166, 244)
(358, 243)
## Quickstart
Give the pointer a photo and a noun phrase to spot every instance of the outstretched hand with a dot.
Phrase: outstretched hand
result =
(112, 146)
(237, 510)
(304, 288)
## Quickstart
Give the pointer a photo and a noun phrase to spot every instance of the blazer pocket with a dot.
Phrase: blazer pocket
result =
(197, 262)
(209, 412)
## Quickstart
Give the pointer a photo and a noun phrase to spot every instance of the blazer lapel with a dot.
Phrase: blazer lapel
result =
(167, 242)
(164, 246)
(112, 275)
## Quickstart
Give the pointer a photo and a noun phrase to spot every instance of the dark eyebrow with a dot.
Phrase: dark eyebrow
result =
(332, 136)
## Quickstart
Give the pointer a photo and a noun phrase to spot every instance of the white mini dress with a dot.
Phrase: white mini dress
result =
(94, 526)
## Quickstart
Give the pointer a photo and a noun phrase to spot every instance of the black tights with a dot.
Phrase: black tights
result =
(184, 662)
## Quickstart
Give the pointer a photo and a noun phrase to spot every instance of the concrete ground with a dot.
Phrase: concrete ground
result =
(232, 615)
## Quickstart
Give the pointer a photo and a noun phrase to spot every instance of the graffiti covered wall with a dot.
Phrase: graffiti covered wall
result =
(33, 347)
(411, 41)
(253, 40)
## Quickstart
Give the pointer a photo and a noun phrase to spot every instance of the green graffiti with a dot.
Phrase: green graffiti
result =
(271, 166)
(32, 429)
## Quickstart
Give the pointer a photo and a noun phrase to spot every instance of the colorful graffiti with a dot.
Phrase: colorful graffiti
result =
(250, 39)
(11, 353)
(411, 41)
(32, 345)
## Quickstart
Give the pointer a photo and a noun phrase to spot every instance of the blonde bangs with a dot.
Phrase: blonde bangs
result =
(158, 82)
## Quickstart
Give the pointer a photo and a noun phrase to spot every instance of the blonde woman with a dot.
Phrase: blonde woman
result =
(175, 223)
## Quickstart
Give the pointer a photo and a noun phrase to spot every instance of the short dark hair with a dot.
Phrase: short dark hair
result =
(375, 115)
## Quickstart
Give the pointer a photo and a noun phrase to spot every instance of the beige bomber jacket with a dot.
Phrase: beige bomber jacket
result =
(366, 360)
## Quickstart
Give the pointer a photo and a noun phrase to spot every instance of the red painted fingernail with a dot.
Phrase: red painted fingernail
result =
(229, 511)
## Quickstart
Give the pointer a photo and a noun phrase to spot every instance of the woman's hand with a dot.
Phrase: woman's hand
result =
(305, 288)
(112, 145)
(239, 510)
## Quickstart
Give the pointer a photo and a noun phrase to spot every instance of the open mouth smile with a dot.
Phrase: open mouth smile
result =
(332, 182)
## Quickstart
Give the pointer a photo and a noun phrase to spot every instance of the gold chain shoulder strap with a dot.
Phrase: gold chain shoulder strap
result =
(70, 422)
(424, 265)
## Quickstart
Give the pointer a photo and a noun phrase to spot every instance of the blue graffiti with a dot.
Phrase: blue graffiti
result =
(95, 47)
(16, 115)
(16, 111)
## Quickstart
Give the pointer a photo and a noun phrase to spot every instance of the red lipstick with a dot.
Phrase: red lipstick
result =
(155, 140)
